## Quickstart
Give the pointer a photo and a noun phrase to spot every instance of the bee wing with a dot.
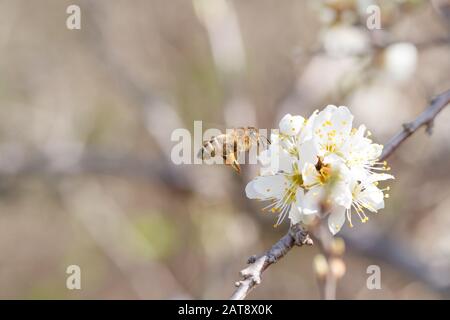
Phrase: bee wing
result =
(207, 150)
(201, 152)
(263, 142)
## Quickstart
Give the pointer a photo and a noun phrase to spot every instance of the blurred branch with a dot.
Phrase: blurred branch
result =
(120, 240)
(156, 113)
(298, 236)
(90, 161)
(382, 245)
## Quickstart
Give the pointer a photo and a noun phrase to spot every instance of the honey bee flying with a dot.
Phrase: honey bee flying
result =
(230, 144)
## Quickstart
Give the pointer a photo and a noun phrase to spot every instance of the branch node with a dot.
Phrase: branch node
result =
(251, 259)
(254, 270)
(300, 235)
(408, 127)
(271, 258)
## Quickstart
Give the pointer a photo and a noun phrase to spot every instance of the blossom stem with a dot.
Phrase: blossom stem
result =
(328, 286)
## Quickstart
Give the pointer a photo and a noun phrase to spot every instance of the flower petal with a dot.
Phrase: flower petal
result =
(307, 153)
(372, 198)
(342, 194)
(291, 125)
(309, 203)
(336, 219)
(310, 175)
(251, 192)
(343, 120)
(332, 128)
(295, 215)
(307, 131)
(276, 159)
(270, 186)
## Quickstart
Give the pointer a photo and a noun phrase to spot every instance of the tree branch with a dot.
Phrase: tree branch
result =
(297, 235)
(426, 118)
(252, 274)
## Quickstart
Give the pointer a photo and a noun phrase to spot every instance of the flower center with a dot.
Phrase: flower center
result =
(324, 174)
(297, 179)
(324, 171)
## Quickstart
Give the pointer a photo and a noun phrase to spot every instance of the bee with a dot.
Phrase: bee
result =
(230, 144)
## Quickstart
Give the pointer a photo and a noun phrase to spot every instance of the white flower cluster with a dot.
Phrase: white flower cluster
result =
(321, 166)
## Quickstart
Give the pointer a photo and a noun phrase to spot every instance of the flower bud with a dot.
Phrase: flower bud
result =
(320, 266)
(337, 267)
(337, 247)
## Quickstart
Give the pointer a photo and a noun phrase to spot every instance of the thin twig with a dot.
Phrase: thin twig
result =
(297, 236)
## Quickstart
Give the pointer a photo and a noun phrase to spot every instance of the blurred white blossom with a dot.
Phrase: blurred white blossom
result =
(400, 60)
(344, 40)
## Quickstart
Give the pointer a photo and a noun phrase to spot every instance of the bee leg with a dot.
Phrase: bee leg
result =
(235, 165)
(232, 161)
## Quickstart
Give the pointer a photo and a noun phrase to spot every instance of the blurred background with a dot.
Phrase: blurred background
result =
(86, 118)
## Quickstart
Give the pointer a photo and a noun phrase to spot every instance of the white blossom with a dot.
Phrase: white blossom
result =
(291, 125)
(321, 167)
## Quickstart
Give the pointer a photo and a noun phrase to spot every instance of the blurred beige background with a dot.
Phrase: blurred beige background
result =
(85, 123)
